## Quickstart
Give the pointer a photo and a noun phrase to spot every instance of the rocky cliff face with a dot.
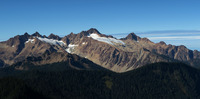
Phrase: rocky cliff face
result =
(119, 55)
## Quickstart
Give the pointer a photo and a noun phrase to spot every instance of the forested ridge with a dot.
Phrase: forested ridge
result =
(154, 81)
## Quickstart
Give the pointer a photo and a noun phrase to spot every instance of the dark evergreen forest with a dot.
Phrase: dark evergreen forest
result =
(53, 81)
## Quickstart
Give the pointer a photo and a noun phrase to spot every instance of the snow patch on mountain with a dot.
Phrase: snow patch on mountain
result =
(70, 48)
(52, 41)
(108, 40)
(30, 40)
(84, 43)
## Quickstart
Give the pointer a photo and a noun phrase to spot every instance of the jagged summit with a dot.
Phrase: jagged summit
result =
(53, 36)
(93, 30)
(131, 36)
(26, 34)
(162, 43)
(36, 34)
(88, 32)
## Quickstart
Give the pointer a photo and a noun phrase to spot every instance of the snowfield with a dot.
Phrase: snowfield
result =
(70, 48)
(84, 43)
(109, 40)
(52, 41)
(30, 40)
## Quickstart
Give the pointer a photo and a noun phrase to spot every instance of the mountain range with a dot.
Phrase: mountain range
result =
(118, 55)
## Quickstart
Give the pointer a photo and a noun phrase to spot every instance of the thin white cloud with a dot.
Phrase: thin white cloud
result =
(176, 38)
(189, 39)
(166, 34)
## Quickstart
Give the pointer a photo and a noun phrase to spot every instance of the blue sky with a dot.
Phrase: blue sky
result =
(109, 16)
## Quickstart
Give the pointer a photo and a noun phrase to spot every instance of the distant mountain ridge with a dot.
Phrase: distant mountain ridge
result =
(119, 55)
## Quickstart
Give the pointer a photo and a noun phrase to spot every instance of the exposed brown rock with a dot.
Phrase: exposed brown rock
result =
(37, 34)
(17, 49)
(135, 53)
(53, 36)
(131, 36)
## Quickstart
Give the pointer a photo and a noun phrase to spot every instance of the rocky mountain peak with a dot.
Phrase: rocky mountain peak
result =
(87, 33)
(93, 30)
(53, 36)
(183, 47)
(162, 43)
(26, 34)
(36, 34)
(131, 36)
(83, 33)
(18, 40)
